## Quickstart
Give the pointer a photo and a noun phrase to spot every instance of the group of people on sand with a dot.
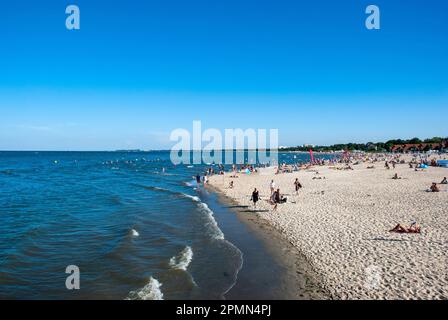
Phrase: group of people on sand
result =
(432, 188)
(422, 165)
(245, 168)
(275, 197)
(284, 168)
(387, 166)
(435, 188)
(294, 167)
(418, 162)
(210, 171)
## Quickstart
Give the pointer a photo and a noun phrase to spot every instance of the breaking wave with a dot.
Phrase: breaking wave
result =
(183, 259)
(151, 291)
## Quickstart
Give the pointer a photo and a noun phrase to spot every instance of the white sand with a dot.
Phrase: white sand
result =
(341, 225)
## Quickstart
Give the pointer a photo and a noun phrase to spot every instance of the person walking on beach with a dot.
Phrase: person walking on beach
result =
(272, 186)
(297, 185)
(273, 200)
(255, 197)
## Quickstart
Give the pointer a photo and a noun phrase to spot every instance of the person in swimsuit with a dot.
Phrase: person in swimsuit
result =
(396, 177)
(414, 228)
(297, 185)
(272, 186)
(255, 197)
(273, 199)
(434, 188)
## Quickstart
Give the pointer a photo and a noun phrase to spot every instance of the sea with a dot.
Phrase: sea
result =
(135, 225)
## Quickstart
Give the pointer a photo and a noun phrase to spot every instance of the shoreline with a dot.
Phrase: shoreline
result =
(296, 280)
(340, 225)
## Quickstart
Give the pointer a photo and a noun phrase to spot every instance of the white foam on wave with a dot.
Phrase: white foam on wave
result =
(213, 225)
(194, 198)
(217, 233)
(135, 233)
(151, 291)
(183, 259)
(161, 189)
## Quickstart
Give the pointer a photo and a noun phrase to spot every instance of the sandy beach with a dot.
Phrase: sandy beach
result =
(340, 222)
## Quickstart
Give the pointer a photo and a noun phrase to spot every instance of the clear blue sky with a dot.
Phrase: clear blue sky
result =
(138, 69)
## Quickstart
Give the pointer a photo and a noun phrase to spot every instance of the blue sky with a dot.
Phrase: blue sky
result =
(139, 69)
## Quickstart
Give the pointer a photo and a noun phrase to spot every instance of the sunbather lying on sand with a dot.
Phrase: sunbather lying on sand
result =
(277, 198)
(414, 228)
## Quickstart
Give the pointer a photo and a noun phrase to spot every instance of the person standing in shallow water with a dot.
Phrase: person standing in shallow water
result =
(255, 197)
(198, 180)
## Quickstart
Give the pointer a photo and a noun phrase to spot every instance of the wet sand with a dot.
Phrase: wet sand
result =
(273, 268)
